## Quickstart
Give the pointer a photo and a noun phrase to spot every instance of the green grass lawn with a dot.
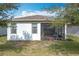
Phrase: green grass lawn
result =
(55, 47)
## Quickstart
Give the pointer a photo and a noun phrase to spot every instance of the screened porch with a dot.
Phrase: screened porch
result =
(50, 31)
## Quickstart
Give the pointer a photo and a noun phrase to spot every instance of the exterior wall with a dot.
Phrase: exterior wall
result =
(24, 30)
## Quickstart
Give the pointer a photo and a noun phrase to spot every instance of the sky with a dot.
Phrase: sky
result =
(27, 9)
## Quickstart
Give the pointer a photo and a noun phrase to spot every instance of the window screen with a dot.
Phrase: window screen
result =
(13, 28)
(34, 27)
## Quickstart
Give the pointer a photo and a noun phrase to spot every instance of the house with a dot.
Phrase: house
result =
(36, 27)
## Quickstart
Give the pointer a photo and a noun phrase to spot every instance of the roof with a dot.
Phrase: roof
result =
(32, 18)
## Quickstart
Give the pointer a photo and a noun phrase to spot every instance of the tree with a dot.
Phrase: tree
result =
(5, 9)
(72, 13)
(69, 13)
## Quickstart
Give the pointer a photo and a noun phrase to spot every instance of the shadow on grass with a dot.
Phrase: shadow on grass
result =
(3, 35)
(65, 46)
(10, 45)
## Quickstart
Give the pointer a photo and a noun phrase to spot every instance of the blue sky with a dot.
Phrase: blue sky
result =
(39, 6)
(30, 8)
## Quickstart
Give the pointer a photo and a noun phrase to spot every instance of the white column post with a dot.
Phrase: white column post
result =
(65, 31)
(8, 30)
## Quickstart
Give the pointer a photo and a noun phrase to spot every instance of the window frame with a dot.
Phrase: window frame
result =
(13, 28)
(34, 28)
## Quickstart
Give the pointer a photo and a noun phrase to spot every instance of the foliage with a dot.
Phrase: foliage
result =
(58, 22)
(5, 12)
(69, 13)
(72, 13)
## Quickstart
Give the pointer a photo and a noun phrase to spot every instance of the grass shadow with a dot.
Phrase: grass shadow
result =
(3, 35)
(9, 45)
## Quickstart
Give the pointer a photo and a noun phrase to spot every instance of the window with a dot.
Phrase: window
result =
(13, 28)
(34, 27)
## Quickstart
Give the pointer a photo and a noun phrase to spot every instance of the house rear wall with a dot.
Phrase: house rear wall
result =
(22, 29)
